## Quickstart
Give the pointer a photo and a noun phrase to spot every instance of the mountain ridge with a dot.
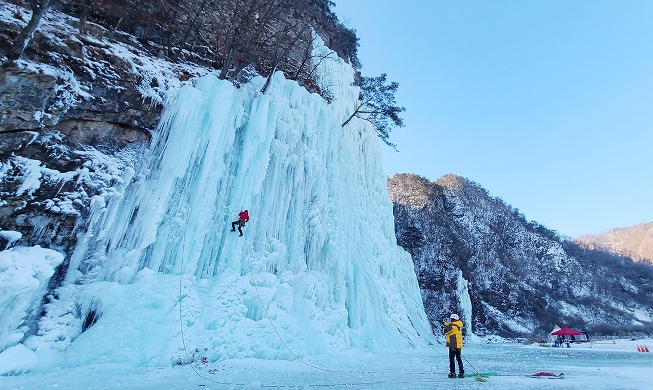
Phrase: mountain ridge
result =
(522, 277)
(635, 242)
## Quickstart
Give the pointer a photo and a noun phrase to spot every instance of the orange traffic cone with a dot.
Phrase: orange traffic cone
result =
(639, 348)
(645, 348)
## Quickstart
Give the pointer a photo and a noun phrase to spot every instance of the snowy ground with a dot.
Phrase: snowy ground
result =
(600, 365)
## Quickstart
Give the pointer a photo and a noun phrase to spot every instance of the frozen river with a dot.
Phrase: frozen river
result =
(595, 366)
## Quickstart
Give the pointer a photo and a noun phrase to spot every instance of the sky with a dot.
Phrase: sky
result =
(546, 104)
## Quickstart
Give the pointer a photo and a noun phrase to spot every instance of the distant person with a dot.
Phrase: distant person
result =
(243, 217)
(454, 336)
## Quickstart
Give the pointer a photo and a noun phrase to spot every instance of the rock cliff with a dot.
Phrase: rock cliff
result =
(74, 112)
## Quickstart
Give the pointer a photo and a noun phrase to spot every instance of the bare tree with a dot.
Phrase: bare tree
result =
(83, 16)
(120, 12)
(242, 22)
(309, 59)
(264, 35)
(83, 9)
(39, 8)
(287, 37)
(194, 22)
(259, 32)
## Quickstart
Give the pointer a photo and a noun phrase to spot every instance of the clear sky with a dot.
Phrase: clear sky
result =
(548, 104)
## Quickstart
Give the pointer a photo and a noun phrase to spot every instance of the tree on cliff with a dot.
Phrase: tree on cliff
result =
(376, 104)
(39, 8)
(249, 27)
(262, 36)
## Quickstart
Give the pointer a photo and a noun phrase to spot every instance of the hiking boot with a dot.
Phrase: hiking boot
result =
(241, 234)
(233, 230)
(461, 375)
(452, 375)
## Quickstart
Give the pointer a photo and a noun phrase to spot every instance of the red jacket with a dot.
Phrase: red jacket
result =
(244, 216)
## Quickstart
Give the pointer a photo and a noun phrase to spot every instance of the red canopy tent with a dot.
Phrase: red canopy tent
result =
(567, 332)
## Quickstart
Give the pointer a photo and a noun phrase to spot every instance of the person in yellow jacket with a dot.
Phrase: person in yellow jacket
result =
(453, 333)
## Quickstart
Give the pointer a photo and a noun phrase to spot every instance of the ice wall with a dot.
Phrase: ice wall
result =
(24, 276)
(317, 270)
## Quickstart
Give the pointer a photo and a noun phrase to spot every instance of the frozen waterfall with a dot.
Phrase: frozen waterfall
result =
(317, 270)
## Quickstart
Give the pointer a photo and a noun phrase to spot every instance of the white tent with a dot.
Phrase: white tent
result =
(553, 338)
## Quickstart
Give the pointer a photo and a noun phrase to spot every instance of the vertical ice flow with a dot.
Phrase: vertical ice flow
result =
(319, 248)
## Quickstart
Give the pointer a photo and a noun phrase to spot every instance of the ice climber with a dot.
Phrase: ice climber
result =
(243, 217)
(454, 336)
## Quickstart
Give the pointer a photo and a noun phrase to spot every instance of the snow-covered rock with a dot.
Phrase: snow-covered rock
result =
(477, 255)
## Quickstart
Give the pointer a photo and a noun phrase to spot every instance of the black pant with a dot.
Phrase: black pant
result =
(240, 223)
(453, 352)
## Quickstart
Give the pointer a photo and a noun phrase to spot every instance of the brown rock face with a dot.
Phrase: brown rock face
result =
(68, 96)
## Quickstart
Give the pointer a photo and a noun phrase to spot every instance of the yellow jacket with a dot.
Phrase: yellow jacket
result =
(453, 334)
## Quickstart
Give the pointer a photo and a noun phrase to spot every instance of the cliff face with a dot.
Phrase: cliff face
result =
(519, 278)
(635, 242)
(74, 112)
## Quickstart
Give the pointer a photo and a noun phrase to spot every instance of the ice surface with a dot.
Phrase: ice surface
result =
(10, 237)
(597, 366)
(24, 276)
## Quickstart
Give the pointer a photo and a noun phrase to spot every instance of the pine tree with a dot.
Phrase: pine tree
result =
(376, 104)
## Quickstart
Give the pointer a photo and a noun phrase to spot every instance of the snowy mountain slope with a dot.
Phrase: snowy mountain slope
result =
(153, 276)
(635, 242)
(520, 277)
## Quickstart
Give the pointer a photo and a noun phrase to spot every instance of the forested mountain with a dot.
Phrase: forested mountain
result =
(635, 242)
(476, 254)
